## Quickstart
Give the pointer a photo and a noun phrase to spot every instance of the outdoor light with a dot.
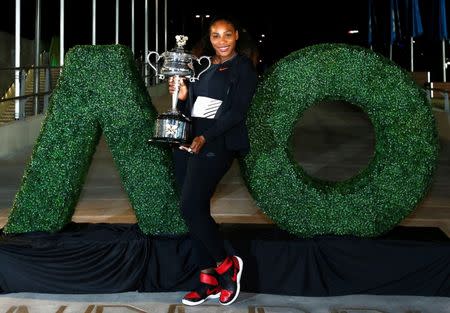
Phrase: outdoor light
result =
(202, 18)
(353, 31)
(262, 35)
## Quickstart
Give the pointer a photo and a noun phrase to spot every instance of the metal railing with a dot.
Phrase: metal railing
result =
(29, 80)
(38, 91)
(434, 93)
(146, 72)
(440, 100)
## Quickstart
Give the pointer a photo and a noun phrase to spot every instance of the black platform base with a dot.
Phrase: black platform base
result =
(107, 258)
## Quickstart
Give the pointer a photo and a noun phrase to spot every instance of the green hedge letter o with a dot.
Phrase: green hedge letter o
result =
(406, 145)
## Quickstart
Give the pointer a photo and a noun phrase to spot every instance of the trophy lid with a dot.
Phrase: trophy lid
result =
(179, 50)
(181, 41)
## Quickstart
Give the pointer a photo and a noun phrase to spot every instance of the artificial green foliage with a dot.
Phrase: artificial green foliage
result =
(406, 144)
(99, 91)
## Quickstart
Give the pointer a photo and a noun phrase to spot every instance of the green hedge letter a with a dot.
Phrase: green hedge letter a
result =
(99, 90)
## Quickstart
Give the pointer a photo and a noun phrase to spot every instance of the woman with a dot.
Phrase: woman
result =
(217, 105)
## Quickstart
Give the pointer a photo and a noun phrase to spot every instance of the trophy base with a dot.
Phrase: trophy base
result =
(171, 128)
(167, 141)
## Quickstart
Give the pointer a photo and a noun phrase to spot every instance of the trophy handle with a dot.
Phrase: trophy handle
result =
(157, 59)
(192, 79)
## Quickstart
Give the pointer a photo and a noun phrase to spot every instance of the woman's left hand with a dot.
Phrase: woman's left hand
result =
(197, 144)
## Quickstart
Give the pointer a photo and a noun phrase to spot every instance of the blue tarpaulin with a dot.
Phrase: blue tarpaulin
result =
(417, 28)
(442, 21)
(371, 22)
(392, 20)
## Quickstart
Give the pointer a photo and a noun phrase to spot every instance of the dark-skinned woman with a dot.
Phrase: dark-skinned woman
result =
(217, 104)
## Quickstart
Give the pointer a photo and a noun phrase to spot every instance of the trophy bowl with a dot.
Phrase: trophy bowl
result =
(177, 63)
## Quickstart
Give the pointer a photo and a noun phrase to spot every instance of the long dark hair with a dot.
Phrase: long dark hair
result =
(245, 45)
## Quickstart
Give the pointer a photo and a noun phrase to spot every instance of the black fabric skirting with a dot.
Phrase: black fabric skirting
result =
(108, 258)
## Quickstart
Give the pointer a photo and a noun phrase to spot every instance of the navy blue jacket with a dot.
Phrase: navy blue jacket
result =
(230, 123)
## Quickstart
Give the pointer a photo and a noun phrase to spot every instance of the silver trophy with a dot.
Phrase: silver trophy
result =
(173, 127)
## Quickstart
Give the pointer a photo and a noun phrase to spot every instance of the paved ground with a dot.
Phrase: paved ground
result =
(247, 303)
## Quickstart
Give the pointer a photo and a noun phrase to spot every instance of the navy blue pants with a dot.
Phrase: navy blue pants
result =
(197, 177)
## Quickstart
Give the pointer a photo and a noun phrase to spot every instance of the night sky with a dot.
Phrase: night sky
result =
(286, 28)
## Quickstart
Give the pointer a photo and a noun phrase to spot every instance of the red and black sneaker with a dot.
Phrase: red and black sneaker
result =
(208, 289)
(230, 272)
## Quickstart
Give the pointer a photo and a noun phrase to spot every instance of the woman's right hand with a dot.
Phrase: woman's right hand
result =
(183, 89)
